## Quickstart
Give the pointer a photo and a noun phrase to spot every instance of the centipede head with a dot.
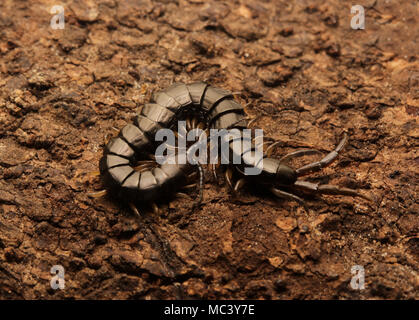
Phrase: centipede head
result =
(285, 175)
(271, 172)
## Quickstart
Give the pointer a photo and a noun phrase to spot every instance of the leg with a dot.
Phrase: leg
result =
(188, 124)
(329, 189)
(177, 136)
(286, 195)
(260, 142)
(201, 186)
(109, 136)
(181, 194)
(213, 170)
(192, 176)
(249, 124)
(97, 194)
(116, 130)
(194, 123)
(316, 166)
(298, 153)
(94, 173)
(270, 149)
(332, 189)
(272, 144)
(206, 132)
(214, 167)
(239, 184)
(181, 133)
(143, 166)
(134, 209)
(190, 186)
(229, 177)
(156, 209)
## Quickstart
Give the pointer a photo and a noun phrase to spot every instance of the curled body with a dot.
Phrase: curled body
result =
(211, 108)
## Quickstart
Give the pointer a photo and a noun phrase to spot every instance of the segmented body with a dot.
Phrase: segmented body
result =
(215, 107)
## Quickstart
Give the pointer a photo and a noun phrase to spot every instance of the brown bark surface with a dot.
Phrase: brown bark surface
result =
(297, 65)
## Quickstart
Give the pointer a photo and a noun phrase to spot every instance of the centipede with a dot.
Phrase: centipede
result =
(129, 171)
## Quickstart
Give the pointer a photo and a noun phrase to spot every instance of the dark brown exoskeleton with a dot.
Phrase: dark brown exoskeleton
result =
(276, 175)
(122, 167)
(127, 174)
